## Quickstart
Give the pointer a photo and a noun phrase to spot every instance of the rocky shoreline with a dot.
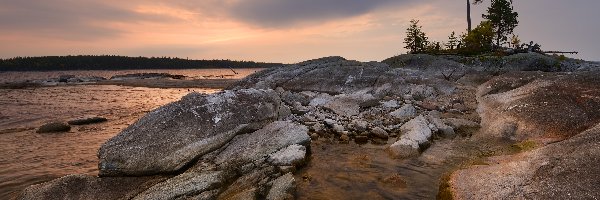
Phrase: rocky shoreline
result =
(247, 141)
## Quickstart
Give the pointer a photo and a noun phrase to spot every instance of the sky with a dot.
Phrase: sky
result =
(285, 31)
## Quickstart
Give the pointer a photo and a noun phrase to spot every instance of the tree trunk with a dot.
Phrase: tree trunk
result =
(469, 15)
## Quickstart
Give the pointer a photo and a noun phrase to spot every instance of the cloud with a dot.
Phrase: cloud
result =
(66, 19)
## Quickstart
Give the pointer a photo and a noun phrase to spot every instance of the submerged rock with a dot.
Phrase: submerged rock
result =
(87, 120)
(54, 127)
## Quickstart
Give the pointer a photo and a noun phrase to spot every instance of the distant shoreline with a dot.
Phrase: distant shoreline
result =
(108, 62)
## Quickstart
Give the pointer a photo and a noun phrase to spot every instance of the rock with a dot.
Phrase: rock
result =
(344, 138)
(290, 98)
(299, 109)
(333, 75)
(395, 181)
(379, 132)
(54, 127)
(406, 111)
(273, 137)
(416, 133)
(65, 78)
(428, 105)
(172, 136)
(89, 187)
(561, 170)
(185, 184)
(321, 100)
(360, 125)
(390, 104)
(138, 76)
(87, 120)
(343, 107)
(339, 129)
(246, 186)
(361, 139)
(291, 155)
(420, 92)
(444, 130)
(283, 188)
(314, 136)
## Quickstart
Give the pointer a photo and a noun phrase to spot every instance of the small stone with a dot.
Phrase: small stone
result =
(344, 138)
(339, 129)
(380, 133)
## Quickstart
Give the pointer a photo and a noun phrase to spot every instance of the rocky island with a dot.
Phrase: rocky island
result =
(524, 126)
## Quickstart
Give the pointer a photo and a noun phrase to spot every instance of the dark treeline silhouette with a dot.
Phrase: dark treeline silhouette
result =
(111, 62)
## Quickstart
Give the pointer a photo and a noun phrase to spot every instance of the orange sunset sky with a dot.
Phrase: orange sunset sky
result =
(271, 30)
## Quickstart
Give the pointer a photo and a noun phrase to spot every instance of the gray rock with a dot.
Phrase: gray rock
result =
(54, 127)
(360, 125)
(339, 129)
(90, 187)
(444, 130)
(291, 155)
(170, 137)
(406, 111)
(87, 120)
(416, 132)
(332, 75)
(290, 98)
(380, 133)
(321, 100)
(189, 183)
(343, 107)
(273, 137)
(390, 104)
(283, 188)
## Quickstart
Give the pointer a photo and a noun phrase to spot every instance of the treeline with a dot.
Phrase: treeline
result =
(111, 62)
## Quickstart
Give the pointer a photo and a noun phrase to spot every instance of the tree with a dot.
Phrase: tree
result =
(416, 40)
(479, 39)
(503, 19)
(452, 41)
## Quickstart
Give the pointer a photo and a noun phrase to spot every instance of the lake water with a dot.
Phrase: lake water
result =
(28, 158)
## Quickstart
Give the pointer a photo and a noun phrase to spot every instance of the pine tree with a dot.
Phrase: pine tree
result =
(503, 19)
(452, 41)
(416, 39)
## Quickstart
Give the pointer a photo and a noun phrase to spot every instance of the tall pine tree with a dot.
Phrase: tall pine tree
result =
(503, 19)
(416, 40)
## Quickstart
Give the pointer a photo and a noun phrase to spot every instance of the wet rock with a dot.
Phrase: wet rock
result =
(291, 155)
(380, 133)
(89, 187)
(361, 139)
(54, 127)
(185, 184)
(170, 137)
(283, 188)
(406, 111)
(395, 181)
(416, 133)
(87, 120)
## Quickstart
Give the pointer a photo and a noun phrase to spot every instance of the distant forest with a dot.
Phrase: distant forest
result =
(109, 62)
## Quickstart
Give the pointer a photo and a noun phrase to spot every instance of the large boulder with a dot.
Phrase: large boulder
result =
(539, 105)
(333, 75)
(563, 170)
(172, 136)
